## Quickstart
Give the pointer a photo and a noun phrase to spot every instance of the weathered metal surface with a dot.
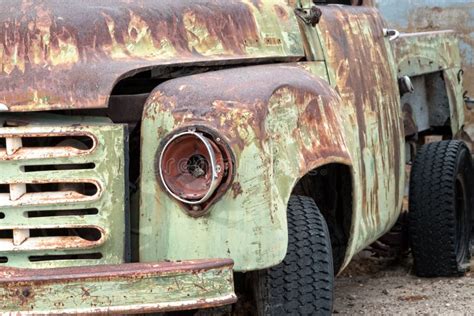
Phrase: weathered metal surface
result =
(429, 104)
(436, 15)
(70, 54)
(365, 76)
(196, 168)
(282, 122)
(424, 53)
(420, 54)
(56, 209)
(117, 289)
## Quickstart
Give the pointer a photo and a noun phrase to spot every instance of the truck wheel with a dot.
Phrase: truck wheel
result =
(441, 204)
(303, 283)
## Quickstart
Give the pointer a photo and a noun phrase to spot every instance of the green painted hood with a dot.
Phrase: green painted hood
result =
(65, 54)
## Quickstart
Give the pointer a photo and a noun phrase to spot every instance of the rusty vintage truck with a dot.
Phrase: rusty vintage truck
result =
(155, 153)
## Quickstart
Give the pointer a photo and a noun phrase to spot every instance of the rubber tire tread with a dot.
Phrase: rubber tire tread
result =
(432, 213)
(303, 284)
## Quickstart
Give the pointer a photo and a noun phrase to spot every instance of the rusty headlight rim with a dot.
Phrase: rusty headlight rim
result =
(208, 139)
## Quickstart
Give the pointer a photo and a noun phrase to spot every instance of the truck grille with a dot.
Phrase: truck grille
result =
(62, 195)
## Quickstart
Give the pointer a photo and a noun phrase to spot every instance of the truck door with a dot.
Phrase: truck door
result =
(361, 64)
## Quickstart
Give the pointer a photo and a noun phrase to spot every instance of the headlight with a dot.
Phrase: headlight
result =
(194, 167)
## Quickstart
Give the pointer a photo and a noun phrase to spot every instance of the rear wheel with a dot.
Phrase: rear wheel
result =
(441, 205)
(303, 283)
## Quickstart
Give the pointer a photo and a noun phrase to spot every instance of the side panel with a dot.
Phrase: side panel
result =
(361, 61)
(280, 121)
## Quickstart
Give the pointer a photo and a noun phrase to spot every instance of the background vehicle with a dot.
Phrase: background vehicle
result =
(273, 134)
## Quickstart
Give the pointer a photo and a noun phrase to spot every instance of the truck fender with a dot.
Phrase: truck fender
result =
(280, 121)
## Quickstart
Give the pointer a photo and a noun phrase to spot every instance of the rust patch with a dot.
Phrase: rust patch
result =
(236, 189)
(409, 122)
(71, 56)
(281, 12)
(18, 286)
(9, 276)
(85, 292)
(357, 52)
(238, 104)
(185, 168)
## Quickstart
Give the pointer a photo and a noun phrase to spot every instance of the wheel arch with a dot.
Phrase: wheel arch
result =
(331, 186)
(281, 122)
(433, 104)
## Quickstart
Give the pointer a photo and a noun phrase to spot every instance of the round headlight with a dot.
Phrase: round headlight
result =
(192, 167)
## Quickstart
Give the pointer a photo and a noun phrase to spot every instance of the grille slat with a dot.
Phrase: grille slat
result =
(46, 198)
(42, 222)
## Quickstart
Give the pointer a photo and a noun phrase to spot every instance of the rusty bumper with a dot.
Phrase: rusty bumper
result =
(126, 288)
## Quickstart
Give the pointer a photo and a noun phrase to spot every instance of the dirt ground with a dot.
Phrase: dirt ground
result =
(374, 286)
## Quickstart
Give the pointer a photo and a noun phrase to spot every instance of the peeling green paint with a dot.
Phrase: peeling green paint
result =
(108, 158)
(341, 105)
(50, 47)
(107, 289)
(424, 53)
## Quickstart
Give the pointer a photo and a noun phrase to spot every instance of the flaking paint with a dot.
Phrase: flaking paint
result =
(70, 54)
(117, 289)
(282, 122)
(108, 175)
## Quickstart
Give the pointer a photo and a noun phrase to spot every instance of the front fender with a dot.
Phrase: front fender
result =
(280, 121)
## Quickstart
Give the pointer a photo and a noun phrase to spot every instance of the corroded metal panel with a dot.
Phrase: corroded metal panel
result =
(117, 289)
(280, 121)
(69, 54)
(429, 52)
(439, 15)
(70, 223)
(362, 64)
(436, 15)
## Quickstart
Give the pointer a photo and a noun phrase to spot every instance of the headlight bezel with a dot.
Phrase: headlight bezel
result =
(222, 166)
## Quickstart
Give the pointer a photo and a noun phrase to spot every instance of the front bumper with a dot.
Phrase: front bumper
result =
(125, 288)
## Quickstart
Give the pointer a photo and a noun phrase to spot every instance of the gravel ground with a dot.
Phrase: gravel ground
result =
(385, 287)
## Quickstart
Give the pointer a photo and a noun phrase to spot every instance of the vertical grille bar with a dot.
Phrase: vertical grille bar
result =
(17, 190)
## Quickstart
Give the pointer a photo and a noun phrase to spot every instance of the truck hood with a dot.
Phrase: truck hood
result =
(69, 54)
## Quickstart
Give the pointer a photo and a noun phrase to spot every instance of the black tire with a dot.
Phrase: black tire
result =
(441, 204)
(303, 284)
